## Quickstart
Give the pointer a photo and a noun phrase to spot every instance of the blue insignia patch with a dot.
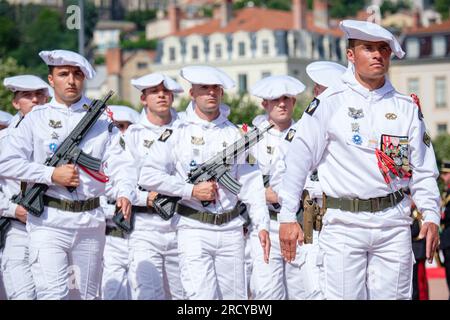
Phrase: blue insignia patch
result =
(357, 139)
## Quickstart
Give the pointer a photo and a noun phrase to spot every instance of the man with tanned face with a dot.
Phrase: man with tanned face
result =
(29, 91)
(210, 237)
(67, 240)
(368, 142)
(154, 266)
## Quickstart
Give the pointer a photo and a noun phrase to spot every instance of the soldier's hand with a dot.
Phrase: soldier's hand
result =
(271, 196)
(66, 176)
(429, 231)
(151, 197)
(264, 239)
(205, 191)
(21, 214)
(125, 205)
(290, 234)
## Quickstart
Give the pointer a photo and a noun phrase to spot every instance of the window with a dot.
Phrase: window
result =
(412, 48)
(142, 65)
(241, 47)
(242, 83)
(194, 52)
(441, 128)
(439, 46)
(413, 86)
(218, 50)
(265, 74)
(172, 54)
(440, 88)
(265, 47)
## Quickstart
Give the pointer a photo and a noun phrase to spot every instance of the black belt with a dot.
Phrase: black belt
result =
(368, 205)
(143, 209)
(72, 206)
(208, 217)
(115, 232)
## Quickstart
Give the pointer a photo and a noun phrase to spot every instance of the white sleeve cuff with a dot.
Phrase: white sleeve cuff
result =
(187, 191)
(48, 176)
(141, 198)
(11, 212)
(285, 217)
(431, 216)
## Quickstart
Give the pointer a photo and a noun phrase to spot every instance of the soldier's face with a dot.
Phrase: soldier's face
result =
(24, 101)
(207, 97)
(67, 81)
(157, 99)
(371, 59)
(280, 110)
(445, 176)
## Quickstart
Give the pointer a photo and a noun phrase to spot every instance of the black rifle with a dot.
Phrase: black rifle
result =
(68, 152)
(266, 181)
(217, 168)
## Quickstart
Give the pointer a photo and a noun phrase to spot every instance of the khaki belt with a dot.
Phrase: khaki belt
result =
(143, 209)
(369, 205)
(273, 215)
(114, 232)
(207, 217)
(72, 206)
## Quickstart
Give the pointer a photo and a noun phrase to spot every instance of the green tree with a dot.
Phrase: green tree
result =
(271, 4)
(442, 6)
(394, 7)
(441, 145)
(8, 68)
(141, 18)
(345, 8)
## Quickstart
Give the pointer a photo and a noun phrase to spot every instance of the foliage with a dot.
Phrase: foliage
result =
(141, 18)
(441, 145)
(442, 6)
(345, 8)
(141, 43)
(394, 7)
(271, 4)
(8, 68)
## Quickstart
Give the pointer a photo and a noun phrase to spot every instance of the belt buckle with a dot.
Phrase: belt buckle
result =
(216, 218)
(375, 204)
(356, 205)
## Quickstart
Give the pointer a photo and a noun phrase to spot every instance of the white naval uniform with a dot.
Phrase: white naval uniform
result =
(66, 247)
(362, 255)
(211, 257)
(15, 266)
(305, 281)
(116, 263)
(277, 279)
(154, 268)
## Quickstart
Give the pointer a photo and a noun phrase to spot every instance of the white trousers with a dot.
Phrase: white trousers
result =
(66, 263)
(115, 284)
(365, 263)
(306, 286)
(212, 264)
(15, 266)
(154, 266)
(276, 280)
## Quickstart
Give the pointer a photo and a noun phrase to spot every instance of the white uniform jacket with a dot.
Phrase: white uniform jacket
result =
(36, 139)
(339, 133)
(192, 143)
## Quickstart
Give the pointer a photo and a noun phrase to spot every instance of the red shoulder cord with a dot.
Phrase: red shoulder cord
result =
(416, 101)
(97, 175)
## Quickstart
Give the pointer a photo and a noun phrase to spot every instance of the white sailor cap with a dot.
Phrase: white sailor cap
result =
(154, 79)
(274, 87)
(68, 58)
(325, 73)
(26, 82)
(5, 118)
(368, 31)
(124, 113)
(207, 75)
